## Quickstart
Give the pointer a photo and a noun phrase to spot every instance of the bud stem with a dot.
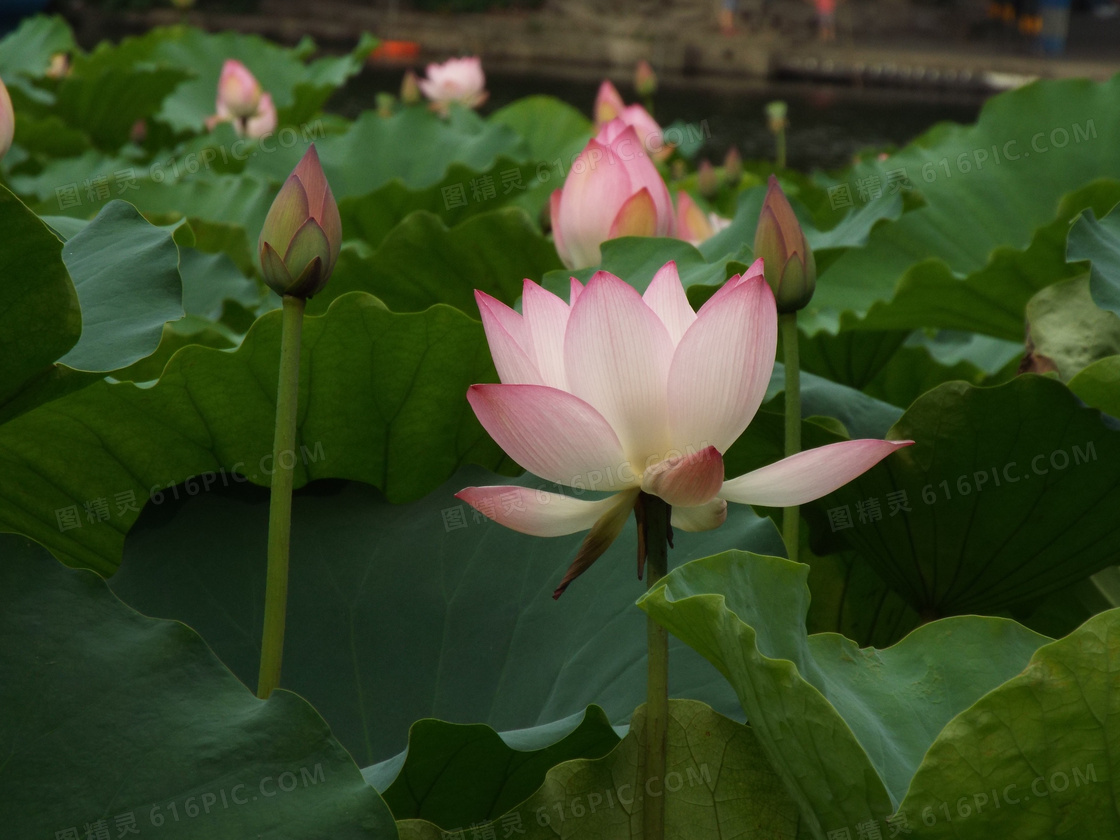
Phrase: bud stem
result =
(780, 143)
(280, 505)
(791, 516)
(657, 682)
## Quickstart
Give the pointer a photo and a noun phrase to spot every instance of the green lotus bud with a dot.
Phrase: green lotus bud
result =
(787, 259)
(707, 179)
(733, 167)
(302, 233)
(776, 116)
(410, 89)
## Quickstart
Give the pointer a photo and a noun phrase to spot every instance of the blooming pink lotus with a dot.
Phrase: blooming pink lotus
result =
(693, 225)
(610, 106)
(239, 92)
(456, 80)
(263, 122)
(612, 190)
(633, 393)
(7, 120)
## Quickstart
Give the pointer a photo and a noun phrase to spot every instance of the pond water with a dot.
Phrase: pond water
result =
(828, 124)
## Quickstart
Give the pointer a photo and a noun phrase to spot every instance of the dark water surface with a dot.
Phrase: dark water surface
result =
(828, 124)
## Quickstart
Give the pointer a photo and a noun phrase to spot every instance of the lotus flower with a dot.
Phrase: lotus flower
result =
(302, 233)
(693, 225)
(612, 190)
(609, 106)
(456, 80)
(7, 120)
(633, 394)
(791, 269)
(645, 80)
(263, 122)
(239, 92)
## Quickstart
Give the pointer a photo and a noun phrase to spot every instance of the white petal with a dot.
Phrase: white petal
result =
(665, 296)
(509, 342)
(722, 366)
(546, 318)
(808, 475)
(537, 512)
(688, 480)
(700, 518)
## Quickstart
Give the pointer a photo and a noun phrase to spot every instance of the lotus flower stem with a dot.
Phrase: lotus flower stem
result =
(787, 327)
(780, 144)
(280, 505)
(656, 525)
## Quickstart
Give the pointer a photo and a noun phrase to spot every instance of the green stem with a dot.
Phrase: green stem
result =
(780, 139)
(791, 516)
(657, 685)
(280, 505)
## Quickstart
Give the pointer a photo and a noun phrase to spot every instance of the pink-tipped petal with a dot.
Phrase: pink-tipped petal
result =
(593, 193)
(557, 231)
(722, 367)
(553, 434)
(604, 532)
(808, 475)
(617, 354)
(665, 296)
(576, 291)
(608, 103)
(536, 512)
(636, 217)
(692, 225)
(733, 283)
(704, 517)
(546, 318)
(687, 480)
(509, 342)
(627, 146)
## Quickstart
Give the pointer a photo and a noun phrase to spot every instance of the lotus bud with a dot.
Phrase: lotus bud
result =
(264, 121)
(410, 89)
(733, 167)
(776, 116)
(645, 80)
(707, 180)
(239, 92)
(608, 104)
(302, 233)
(693, 225)
(787, 259)
(678, 169)
(7, 120)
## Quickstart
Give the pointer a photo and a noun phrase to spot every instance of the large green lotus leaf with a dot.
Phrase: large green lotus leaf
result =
(382, 401)
(481, 640)
(39, 314)
(1099, 242)
(422, 262)
(126, 272)
(114, 721)
(717, 784)
(1067, 331)
(48, 136)
(298, 89)
(844, 727)
(851, 599)
(1005, 496)
(1099, 385)
(457, 774)
(77, 186)
(26, 53)
(986, 186)
(1037, 757)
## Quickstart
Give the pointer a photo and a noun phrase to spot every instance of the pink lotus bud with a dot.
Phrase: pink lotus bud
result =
(707, 180)
(786, 257)
(302, 233)
(263, 121)
(612, 190)
(7, 120)
(410, 89)
(645, 80)
(693, 225)
(456, 80)
(238, 90)
(733, 167)
(608, 104)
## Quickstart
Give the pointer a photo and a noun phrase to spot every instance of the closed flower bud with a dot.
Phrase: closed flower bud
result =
(707, 180)
(410, 89)
(776, 116)
(239, 92)
(787, 259)
(302, 233)
(645, 80)
(733, 167)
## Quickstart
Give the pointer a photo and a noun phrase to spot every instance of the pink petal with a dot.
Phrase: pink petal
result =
(627, 147)
(808, 475)
(576, 291)
(722, 366)
(546, 318)
(692, 225)
(509, 342)
(636, 217)
(665, 296)
(617, 355)
(687, 480)
(733, 283)
(557, 233)
(608, 103)
(593, 194)
(704, 517)
(553, 434)
(537, 512)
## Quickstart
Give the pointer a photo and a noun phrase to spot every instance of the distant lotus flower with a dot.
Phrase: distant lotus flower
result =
(302, 233)
(645, 80)
(779, 241)
(707, 179)
(631, 393)
(263, 122)
(609, 106)
(733, 167)
(613, 189)
(7, 120)
(410, 89)
(456, 80)
(693, 225)
(239, 92)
